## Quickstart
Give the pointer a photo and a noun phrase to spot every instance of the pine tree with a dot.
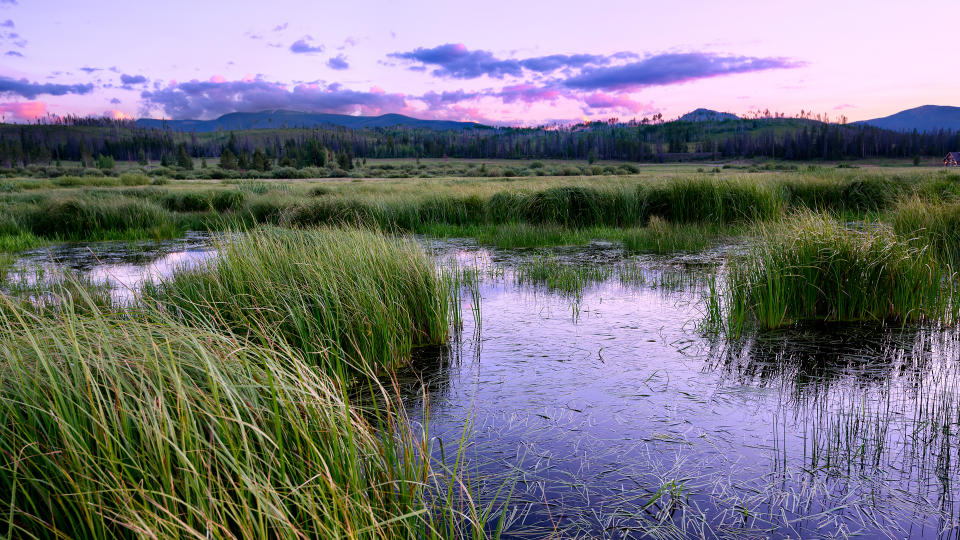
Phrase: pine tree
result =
(228, 160)
(184, 160)
(242, 162)
(142, 158)
(260, 162)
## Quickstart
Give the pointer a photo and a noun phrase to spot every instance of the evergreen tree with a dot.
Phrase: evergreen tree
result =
(260, 162)
(242, 162)
(228, 160)
(184, 160)
(142, 157)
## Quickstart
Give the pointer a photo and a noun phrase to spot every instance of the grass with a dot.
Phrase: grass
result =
(120, 427)
(662, 237)
(554, 274)
(502, 211)
(353, 300)
(812, 268)
(931, 225)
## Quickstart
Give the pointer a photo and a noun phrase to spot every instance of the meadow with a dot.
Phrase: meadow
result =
(254, 394)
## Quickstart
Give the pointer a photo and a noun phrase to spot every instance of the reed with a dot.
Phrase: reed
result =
(351, 299)
(811, 268)
(114, 426)
(935, 226)
(662, 237)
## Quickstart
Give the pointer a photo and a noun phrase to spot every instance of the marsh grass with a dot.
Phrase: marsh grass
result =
(113, 426)
(353, 300)
(662, 237)
(552, 273)
(812, 268)
(508, 212)
(926, 224)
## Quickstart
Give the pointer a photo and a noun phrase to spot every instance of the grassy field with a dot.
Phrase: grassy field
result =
(219, 404)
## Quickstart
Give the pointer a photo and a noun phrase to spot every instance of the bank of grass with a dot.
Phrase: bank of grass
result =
(931, 225)
(812, 268)
(120, 426)
(353, 300)
(662, 237)
(508, 212)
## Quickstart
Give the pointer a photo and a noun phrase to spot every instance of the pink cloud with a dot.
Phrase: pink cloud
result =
(602, 100)
(218, 79)
(24, 110)
(527, 93)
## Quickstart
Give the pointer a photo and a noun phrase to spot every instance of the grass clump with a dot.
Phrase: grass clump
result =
(662, 237)
(928, 224)
(128, 427)
(704, 199)
(552, 273)
(351, 299)
(75, 218)
(812, 268)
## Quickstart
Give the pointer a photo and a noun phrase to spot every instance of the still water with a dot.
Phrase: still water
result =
(609, 414)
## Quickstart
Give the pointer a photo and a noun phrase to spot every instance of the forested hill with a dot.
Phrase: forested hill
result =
(281, 119)
(779, 138)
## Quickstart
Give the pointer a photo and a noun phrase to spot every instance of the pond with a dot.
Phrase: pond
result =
(606, 412)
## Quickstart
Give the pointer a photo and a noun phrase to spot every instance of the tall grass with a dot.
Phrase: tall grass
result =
(660, 236)
(928, 224)
(114, 426)
(351, 299)
(812, 268)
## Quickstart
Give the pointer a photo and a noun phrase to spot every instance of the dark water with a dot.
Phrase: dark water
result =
(608, 414)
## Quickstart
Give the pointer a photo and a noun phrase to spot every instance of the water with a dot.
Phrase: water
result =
(606, 413)
(612, 416)
(123, 267)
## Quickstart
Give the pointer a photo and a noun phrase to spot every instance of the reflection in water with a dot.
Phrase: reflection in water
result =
(607, 414)
(623, 421)
(121, 266)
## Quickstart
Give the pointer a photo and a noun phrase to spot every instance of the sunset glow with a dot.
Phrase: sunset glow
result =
(494, 65)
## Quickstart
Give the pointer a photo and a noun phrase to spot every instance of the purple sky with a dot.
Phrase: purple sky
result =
(511, 62)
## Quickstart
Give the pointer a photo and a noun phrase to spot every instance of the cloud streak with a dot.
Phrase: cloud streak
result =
(30, 90)
(304, 45)
(128, 80)
(455, 60)
(206, 99)
(338, 62)
(673, 68)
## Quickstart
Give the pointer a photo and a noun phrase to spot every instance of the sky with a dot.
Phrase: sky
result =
(517, 62)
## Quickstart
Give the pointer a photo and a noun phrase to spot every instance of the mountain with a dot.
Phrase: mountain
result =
(291, 119)
(925, 118)
(707, 115)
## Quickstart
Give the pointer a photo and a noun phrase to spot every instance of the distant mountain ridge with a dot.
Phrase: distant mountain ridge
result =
(923, 119)
(291, 119)
(707, 115)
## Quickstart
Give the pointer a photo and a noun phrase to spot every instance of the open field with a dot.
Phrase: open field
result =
(302, 378)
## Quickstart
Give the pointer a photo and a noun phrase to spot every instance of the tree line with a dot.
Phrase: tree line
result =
(86, 140)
